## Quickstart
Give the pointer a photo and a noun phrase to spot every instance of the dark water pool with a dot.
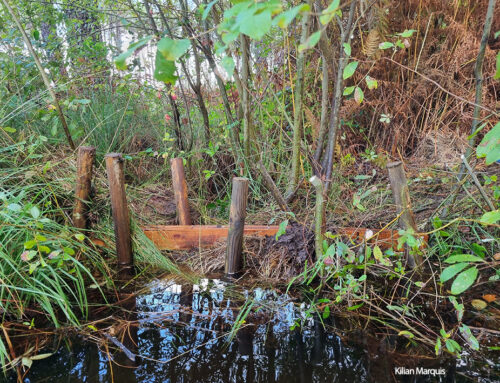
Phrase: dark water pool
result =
(179, 334)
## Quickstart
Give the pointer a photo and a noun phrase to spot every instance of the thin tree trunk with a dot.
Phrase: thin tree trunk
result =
(195, 86)
(190, 143)
(478, 73)
(173, 103)
(245, 97)
(177, 122)
(149, 15)
(199, 95)
(324, 115)
(45, 78)
(297, 118)
(337, 99)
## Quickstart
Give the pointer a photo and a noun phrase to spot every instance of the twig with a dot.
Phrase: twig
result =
(477, 183)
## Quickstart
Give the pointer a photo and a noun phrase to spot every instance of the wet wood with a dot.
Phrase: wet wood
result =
(237, 214)
(204, 236)
(84, 167)
(401, 195)
(121, 220)
(180, 191)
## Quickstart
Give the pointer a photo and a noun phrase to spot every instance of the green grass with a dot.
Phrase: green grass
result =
(45, 264)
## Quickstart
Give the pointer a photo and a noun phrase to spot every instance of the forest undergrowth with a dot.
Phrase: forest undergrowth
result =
(382, 81)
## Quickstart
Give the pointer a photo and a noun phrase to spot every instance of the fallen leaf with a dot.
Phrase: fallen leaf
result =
(479, 304)
(496, 257)
(490, 298)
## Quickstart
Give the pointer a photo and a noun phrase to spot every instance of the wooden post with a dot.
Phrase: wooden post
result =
(180, 191)
(401, 194)
(85, 161)
(237, 215)
(114, 168)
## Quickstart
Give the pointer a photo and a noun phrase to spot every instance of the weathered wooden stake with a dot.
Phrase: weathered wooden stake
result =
(180, 191)
(85, 161)
(237, 215)
(401, 194)
(114, 168)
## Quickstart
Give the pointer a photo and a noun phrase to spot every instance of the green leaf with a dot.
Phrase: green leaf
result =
(257, 25)
(463, 258)
(55, 126)
(311, 41)
(35, 212)
(371, 82)
(44, 249)
(355, 307)
(478, 249)
(453, 346)
(29, 244)
(385, 45)
(227, 63)
(464, 280)
(33, 267)
(27, 362)
(347, 49)
(444, 334)
(491, 217)
(349, 69)
(490, 145)
(8, 129)
(395, 308)
(79, 237)
(451, 271)
(40, 238)
(359, 95)
(207, 9)
(164, 69)
(228, 38)
(407, 33)
(348, 90)
(281, 229)
(284, 19)
(326, 312)
(458, 306)
(120, 60)
(328, 14)
(172, 50)
(377, 254)
(42, 356)
(437, 347)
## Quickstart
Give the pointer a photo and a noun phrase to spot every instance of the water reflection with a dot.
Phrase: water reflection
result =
(179, 334)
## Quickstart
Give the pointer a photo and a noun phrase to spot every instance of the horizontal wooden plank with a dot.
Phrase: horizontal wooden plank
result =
(181, 237)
